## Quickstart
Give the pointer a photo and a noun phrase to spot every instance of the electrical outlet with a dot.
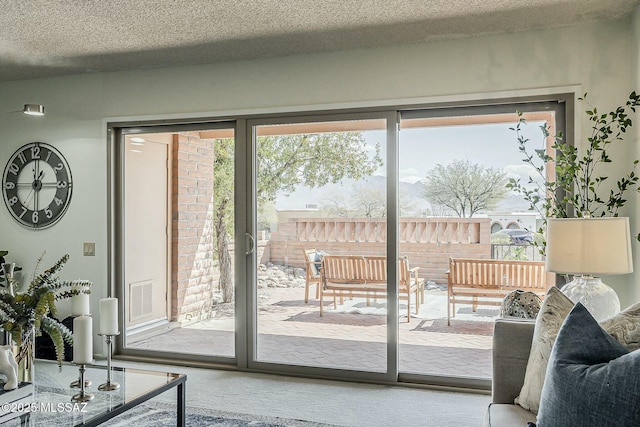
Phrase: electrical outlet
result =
(89, 249)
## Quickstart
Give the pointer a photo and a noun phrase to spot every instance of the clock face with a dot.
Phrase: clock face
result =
(36, 185)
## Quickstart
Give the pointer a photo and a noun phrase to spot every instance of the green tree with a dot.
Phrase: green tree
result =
(285, 162)
(223, 188)
(314, 160)
(464, 187)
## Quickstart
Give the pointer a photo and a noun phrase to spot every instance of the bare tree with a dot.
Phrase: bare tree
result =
(464, 187)
(364, 200)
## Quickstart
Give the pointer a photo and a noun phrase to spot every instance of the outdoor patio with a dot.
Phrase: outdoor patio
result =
(353, 336)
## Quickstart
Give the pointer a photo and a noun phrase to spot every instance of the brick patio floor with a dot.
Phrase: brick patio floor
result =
(351, 337)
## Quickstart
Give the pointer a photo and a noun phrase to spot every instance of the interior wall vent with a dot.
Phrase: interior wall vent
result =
(140, 297)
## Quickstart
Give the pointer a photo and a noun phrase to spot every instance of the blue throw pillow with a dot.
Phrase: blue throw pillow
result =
(592, 380)
(316, 267)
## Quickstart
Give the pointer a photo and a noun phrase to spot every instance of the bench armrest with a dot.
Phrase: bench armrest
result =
(511, 347)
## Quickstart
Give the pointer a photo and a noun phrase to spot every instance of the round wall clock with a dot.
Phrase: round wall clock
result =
(36, 185)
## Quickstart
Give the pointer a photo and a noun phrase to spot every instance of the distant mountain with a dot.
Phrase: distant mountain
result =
(305, 196)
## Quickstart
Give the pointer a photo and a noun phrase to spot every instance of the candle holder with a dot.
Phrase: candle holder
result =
(8, 269)
(109, 385)
(83, 396)
(76, 383)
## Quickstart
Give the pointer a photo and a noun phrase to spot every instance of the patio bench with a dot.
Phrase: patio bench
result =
(359, 276)
(488, 281)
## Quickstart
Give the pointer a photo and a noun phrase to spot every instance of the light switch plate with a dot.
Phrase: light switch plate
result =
(89, 249)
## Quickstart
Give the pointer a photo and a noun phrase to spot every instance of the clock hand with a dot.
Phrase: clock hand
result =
(26, 201)
(36, 186)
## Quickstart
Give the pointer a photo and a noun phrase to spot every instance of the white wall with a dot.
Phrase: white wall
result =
(634, 283)
(595, 56)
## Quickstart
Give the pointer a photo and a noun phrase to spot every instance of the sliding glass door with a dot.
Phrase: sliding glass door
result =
(321, 195)
(454, 166)
(319, 244)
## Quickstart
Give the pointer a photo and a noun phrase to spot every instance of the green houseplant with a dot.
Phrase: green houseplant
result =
(32, 312)
(577, 190)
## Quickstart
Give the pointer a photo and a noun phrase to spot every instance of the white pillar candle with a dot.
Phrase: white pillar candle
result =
(109, 316)
(80, 304)
(82, 340)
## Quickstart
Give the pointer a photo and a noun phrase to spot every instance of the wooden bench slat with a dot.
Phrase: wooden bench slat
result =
(470, 279)
(351, 275)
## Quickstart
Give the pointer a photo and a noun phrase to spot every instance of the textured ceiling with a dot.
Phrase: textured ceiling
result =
(41, 38)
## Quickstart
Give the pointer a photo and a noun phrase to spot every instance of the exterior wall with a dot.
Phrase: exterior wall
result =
(515, 220)
(427, 242)
(192, 278)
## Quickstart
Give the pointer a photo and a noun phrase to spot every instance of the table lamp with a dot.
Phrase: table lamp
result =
(588, 248)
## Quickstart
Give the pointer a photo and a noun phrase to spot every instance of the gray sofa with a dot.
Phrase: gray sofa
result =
(511, 347)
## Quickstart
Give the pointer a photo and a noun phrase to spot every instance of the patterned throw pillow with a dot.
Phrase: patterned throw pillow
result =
(592, 379)
(624, 326)
(554, 310)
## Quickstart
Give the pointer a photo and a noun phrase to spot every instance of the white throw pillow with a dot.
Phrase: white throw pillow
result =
(624, 327)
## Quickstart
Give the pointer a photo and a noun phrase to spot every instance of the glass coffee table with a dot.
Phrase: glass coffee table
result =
(52, 404)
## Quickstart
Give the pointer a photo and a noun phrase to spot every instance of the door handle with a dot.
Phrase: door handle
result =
(251, 243)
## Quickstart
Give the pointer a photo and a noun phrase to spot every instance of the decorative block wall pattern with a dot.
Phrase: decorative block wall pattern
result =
(427, 242)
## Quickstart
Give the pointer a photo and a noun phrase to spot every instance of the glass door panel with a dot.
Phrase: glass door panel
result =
(178, 213)
(454, 202)
(321, 199)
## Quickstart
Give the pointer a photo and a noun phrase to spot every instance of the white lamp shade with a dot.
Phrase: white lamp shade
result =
(589, 246)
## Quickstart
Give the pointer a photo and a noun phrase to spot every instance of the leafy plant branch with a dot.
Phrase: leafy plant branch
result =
(35, 309)
(577, 189)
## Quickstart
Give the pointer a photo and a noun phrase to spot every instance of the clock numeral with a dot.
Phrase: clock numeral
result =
(58, 168)
(12, 201)
(34, 217)
(48, 156)
(35, 152)
(14, 169)
(48, 212)
(22, 158)
(24, 211)
(61, 184)
(9, 185)
(59, 202)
